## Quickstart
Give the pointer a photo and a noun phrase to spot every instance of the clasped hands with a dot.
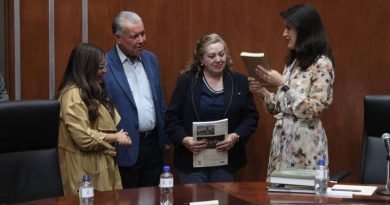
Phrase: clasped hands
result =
(120, 138)
(197, 146)
(123, 138)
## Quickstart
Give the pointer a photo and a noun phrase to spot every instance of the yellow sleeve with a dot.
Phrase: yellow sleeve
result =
(75, 116)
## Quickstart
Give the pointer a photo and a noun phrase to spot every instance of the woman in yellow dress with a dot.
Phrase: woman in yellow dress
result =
(87, 132)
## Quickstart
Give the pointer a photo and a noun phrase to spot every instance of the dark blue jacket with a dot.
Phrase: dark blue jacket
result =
(184, 108)
(118, 90)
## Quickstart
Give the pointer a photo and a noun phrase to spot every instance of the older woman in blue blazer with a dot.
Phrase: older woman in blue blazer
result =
(209, 90)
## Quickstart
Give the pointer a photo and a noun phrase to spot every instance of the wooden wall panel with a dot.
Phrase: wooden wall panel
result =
(358, 31)
(165, 40)
(360, 48)
(34, 49)
(100, 17)
(10, 66)
(67, 33)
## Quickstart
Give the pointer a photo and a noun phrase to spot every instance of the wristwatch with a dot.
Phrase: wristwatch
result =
(285, 88)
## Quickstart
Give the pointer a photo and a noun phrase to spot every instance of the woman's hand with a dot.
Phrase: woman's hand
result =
(255, 87)
(270, 77)
(228, 143)
(121, 138)
(194, 146)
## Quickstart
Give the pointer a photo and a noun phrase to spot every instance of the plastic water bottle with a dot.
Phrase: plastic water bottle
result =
(86, 191)
(321, 178)
(166, 186)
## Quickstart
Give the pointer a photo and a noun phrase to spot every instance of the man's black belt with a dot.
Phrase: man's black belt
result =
(147, 134)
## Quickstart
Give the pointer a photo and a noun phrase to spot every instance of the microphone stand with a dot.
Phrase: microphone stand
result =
(386, 191)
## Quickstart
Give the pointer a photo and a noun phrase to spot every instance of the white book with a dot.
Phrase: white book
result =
(251, 60)
(292, 176)
(290, 188)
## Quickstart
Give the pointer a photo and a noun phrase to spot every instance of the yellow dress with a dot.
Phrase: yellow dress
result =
(81, 147)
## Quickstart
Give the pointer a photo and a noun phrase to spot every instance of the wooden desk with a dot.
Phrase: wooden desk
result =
(238, 193)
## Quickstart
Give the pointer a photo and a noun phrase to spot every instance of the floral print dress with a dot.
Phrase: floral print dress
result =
(299, 139)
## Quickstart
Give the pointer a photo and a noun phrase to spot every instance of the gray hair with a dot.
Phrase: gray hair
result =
(121, 17)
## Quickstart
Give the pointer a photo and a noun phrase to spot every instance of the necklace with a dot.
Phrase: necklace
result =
(209, 87)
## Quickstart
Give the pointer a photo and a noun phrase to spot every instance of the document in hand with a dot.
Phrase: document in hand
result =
(212, 132)
(251, 60)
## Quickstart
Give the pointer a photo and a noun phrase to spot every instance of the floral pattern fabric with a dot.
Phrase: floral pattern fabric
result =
(299, 139)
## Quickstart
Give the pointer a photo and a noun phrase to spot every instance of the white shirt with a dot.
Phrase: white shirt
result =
(140, 88)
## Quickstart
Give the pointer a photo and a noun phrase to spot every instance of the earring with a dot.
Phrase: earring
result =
(201, 65)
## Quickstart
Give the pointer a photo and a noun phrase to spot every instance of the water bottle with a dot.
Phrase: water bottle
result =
(86, 191)
(166, 186)
(321, 178)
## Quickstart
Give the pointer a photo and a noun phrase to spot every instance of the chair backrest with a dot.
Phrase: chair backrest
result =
(28, 152)
(376, 122)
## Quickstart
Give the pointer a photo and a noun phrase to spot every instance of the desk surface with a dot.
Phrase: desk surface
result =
(237, 193)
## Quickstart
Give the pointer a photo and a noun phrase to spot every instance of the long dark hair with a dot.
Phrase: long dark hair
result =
(81, 71)
(311, 39)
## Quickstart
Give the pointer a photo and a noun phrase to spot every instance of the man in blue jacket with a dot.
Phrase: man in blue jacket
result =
(133, 84)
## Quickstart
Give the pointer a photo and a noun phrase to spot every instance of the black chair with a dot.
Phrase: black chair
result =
(376, 122)
(28, 150)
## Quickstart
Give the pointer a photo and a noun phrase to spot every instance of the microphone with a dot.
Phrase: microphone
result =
(386, 138)
(386, 191)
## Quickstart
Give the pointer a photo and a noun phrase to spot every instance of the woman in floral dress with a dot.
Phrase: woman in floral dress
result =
(304, 91)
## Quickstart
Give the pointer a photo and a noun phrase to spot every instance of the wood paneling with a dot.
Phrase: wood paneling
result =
(358, 31)
(10, 66)
(34, 49)
(67, 33)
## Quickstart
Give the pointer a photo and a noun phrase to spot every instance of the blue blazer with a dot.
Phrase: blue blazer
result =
(184, 107)
(119, 92)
